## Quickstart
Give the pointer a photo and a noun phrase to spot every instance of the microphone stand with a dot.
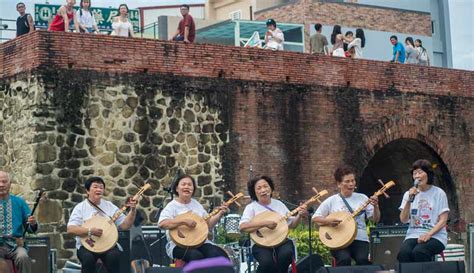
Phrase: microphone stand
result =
(140, 236)
(310, 235)
(157, 217)
(310, 238)
(248, 244)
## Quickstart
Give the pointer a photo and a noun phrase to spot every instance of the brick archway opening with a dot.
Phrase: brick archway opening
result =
(393, 162)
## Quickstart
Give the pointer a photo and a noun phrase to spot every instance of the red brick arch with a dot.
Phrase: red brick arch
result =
(390, 130)
(420, 130)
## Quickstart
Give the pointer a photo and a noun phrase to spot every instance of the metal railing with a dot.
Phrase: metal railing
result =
(150, 31)
(6, 26)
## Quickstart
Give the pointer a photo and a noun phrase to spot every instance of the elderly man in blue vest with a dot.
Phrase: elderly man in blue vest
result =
(14, 219)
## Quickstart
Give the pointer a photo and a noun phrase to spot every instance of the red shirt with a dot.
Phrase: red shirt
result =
(58, 22)
(187, 21)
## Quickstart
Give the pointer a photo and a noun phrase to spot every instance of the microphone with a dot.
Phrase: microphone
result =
(412, 196)
(211, 206)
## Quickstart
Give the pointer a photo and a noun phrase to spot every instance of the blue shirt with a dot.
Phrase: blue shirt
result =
(398, 47)
(14, 213)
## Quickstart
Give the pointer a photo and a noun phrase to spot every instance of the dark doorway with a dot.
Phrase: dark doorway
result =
(393, 162)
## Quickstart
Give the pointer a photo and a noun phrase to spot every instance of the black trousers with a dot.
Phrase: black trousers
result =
(412, 251)
(274, 260)
(110, 259)
(205, 251)
(358, 250)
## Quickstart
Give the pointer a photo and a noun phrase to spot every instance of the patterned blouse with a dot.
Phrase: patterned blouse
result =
(14, 213)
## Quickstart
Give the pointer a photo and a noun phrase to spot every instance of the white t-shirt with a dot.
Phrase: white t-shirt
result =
(422, 54)
(424, 213)
(175, 208)
(256, 208)
(84, 211)
(335, 204)
(357, 45)
(122, 28)
(87, 19)
(274, 44)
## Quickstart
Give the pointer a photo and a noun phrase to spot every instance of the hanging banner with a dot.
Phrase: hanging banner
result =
(44, 14)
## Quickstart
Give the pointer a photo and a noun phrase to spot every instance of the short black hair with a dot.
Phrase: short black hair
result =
(271, 22)
(342, 171)
(349, 33)
(253, 181)
(318, 27)
(175, 185)
(20, 3)
(185, 6)
(394, 37)
(426, 166)
(94, 179)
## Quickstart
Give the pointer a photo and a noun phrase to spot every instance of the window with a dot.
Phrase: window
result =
(236, 15)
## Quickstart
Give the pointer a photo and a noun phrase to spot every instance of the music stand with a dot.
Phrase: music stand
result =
(136, 234)
(157, 217)
(310, 238)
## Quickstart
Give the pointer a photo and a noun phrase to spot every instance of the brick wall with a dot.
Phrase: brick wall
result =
(349, 15)
(116, 55)
(292, 116)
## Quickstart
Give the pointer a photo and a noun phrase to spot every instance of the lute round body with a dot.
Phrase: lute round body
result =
(266, 237)
(105, 242)
(184, 236)
(339, 236)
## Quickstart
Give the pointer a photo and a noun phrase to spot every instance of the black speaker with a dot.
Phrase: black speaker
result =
(432, 267)
(155, 240)
(352, 269)
(124, 241)
(385, 244)
(39, 253)
(163, 270)
(313, 262)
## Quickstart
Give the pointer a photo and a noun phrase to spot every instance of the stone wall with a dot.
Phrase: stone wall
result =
(57, 132)
(18, 132)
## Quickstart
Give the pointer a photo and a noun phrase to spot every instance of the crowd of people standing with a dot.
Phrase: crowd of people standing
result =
(342, 45)
(347, 45)
(412, 53)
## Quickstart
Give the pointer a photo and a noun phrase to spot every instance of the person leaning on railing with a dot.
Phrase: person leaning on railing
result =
(63, 18)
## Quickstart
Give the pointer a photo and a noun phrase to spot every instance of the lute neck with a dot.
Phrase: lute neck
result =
(378, 193)
(308, 202)
(230, 201)
(134, 198)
